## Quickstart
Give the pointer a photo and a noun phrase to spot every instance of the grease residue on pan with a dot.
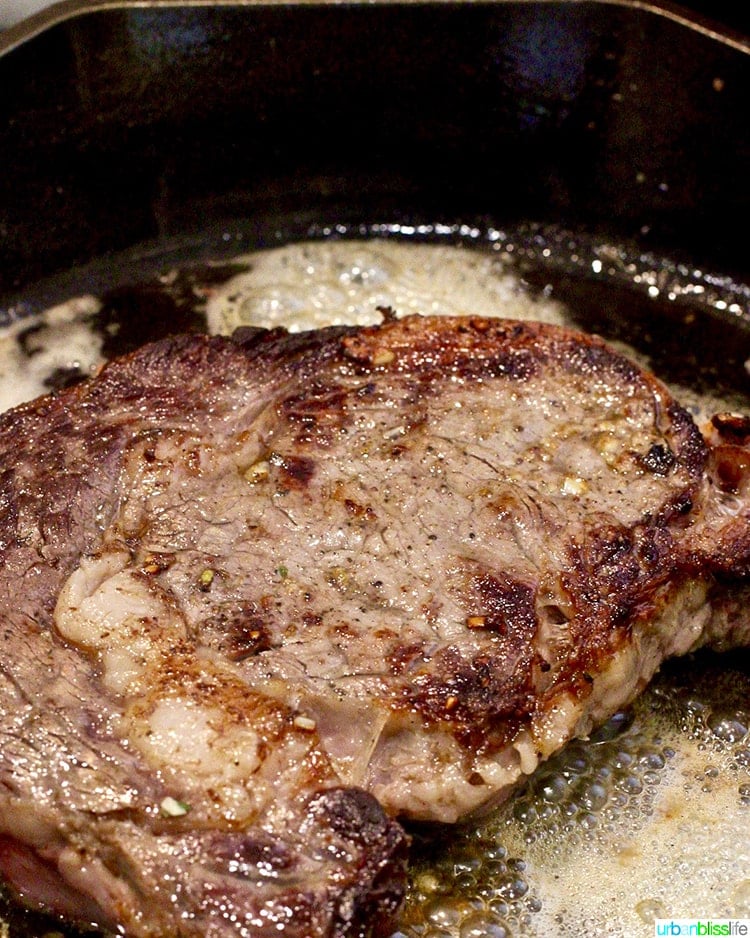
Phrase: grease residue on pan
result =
(313, 284)
(647, 819)
(40, 354)
(650, 817)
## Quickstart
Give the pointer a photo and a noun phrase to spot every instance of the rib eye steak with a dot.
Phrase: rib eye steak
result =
(255, 588)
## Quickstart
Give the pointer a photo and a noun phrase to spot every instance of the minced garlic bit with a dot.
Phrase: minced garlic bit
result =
(476, 622)
(451, 702)
(206, 579)
(383, 356)
(572, 485)
(339, 578)
(610, 448)
(258, 472)
(171, 807)
(305, 723)
(157, 563)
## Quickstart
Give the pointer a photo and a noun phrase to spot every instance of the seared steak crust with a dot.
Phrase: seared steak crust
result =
(247, 581)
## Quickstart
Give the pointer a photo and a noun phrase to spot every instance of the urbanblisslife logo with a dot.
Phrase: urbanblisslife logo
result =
(687, 927)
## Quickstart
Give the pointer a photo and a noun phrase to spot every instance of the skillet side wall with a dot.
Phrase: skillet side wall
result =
(132, 124)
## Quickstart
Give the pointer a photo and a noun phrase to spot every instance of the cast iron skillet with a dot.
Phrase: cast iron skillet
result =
(607, 143)
(151, 122)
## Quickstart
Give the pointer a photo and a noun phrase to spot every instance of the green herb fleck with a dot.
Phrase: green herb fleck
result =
(171, 807)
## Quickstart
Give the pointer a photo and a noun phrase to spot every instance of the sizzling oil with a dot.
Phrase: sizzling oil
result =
(647, 819)
(651, 816)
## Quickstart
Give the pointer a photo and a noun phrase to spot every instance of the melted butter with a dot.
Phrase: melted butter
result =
(677, 845)
(647, 819)
(308, 285)
(34, 352)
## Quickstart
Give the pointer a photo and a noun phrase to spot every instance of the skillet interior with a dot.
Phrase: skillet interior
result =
(141, 139)
(135, 122)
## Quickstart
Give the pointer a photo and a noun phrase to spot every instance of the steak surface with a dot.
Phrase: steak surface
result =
(261, 595)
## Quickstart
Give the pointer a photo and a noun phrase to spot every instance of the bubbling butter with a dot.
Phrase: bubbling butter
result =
(323, 283)
(647, 819)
